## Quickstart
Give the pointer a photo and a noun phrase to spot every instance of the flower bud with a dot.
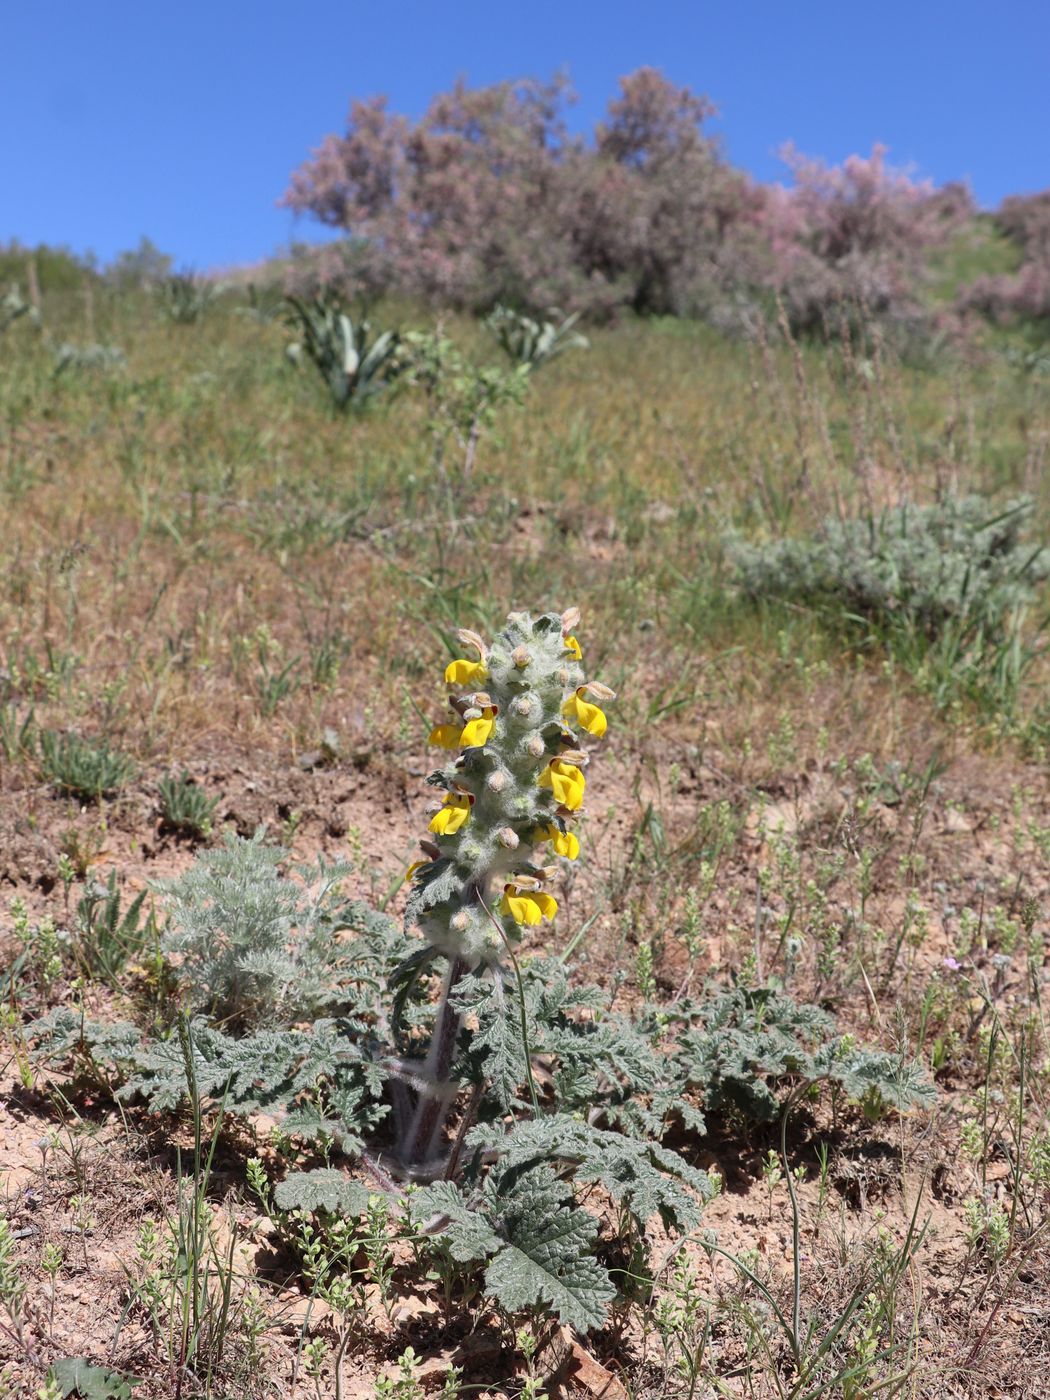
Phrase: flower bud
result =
(471, 639)
(522, 705)
(521, 656)
(508, 838)
(497, 781)
(569, 619)
(574, 756)
(561, 676)
(460, 921)
(600, 691)
(536, 746)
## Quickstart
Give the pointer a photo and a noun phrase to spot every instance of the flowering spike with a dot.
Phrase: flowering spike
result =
(512, 785)
(515, 781)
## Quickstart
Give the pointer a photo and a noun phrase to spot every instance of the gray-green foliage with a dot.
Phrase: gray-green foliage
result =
(533, 343)
(185, 806)
(83, 769)
(323, 1189)
(110, 934)
(104, 358)
(317, 1080)
(944, 586)
(184, 296)
(931, 565)
(735, 1048)
(76, 1376)
(354, 366)
(255, 947)
(538, 1244)
(13, 306)
(515, 1207)
(262, 955)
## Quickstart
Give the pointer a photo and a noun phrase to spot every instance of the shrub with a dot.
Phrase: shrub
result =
(1024, 294)
(945, 584)
(355, 368)
(83, 769)
(255, 947)
(854, 240)
(47, 268)
(141, 267)
(534, 343)
(488, 199)
(462, 398)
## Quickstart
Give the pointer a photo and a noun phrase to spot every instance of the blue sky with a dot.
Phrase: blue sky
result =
(183, 122)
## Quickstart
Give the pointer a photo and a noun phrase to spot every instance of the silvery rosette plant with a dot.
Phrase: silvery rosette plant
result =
(513, 789)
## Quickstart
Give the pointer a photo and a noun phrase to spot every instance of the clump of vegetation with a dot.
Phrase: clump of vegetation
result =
(185, 807)
(489, 200)
(462, 399)
(184, 297)
(531, 342)
(255, 947)
(81, 768)
(355, 367)
(427, 1062)
(1022, 294)
(104, 358)
(13, 307)
(944, 586)
(110, 932)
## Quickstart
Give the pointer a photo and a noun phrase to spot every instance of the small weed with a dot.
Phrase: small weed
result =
(185, 807)
(109, 936)
(82, 769)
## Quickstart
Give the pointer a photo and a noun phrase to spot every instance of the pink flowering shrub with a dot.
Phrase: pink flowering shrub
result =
(489, 199)
(1024, 294)
(855, 238)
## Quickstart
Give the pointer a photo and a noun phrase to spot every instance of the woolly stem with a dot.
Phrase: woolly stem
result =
(433, 1108)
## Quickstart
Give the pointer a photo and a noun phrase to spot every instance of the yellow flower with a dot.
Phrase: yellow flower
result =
(478, 731)
(588, 716)
(571, 644)
(452, 815)
(565, 843)
(465, 672)
(445, 736)
(565, 781)
(527, 907)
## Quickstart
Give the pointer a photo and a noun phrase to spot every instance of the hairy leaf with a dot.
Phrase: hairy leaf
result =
(326, 1188)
